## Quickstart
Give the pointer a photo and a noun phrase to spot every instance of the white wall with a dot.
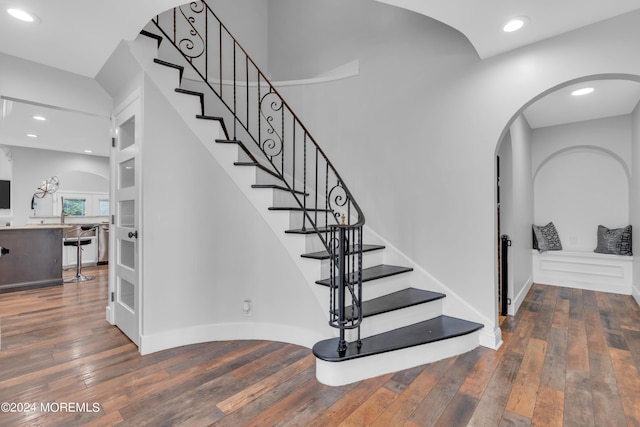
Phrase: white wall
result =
(507, 218)
(34, 82)
(77, 173)
(206, 247)
(521, 213)
(634, 202)
(248, 21)
(581, 178)
(414, 135)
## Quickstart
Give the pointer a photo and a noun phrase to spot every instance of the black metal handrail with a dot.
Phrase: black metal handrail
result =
(283, 144)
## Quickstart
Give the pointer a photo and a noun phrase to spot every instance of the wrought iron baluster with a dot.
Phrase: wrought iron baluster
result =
(282, 136)
(220, 53)
(293, 155)
(246, 81)
(258, 113)
(206, 43)
(342, 343)
(304, 179)
(235, 100)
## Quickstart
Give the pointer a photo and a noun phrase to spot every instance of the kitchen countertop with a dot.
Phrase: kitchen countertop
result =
(37, 226)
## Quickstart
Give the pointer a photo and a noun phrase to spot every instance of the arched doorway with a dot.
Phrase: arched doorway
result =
(544, 156)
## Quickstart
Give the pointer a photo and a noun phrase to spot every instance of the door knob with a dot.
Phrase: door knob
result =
(133, 234)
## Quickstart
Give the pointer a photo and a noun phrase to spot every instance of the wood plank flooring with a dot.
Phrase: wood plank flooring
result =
(570, 358)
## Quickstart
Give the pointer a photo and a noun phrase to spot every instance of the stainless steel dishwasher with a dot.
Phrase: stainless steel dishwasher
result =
(103, 243)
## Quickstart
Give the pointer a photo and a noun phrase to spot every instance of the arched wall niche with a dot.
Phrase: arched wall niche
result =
(579, 188)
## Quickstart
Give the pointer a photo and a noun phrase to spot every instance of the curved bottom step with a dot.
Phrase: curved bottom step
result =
(392, 351)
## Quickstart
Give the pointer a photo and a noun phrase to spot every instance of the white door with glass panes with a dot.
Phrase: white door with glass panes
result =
(125, 277)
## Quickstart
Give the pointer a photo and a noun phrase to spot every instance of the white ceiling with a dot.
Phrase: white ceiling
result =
(482, 21)
(79, 35)
(63, 130)
(609, 98)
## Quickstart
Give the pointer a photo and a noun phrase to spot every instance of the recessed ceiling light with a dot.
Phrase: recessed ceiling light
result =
(88, 151)
(583, 91)
(22, 15)
(40, 118)
(515, 24)
(32, 135)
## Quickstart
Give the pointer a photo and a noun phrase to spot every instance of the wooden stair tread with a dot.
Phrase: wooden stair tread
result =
(372, 273)
(180, 68)
(297, 208)
(396, 301)
(168, 64)
(258, 165)
(189, 92)
(325, 254)
(308, 230)
(205, 117)
(154, 36)
(432, 330)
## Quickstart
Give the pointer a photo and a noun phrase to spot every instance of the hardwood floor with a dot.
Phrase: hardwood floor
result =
(570, 358)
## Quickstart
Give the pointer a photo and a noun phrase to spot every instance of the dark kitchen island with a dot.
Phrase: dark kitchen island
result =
(34, 259)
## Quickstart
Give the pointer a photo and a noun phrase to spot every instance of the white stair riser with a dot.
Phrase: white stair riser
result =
(341, 373)
(369, 259)
(296, 218)
(385, 285)
(380, 287)
(266, 178)
(283, 198)
(385, 322)
(313, 243)
(243, 156)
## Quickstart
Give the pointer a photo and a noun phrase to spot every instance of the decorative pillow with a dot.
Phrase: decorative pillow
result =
(538, 239)
(546, 238)
(626, 248)
(615, 241)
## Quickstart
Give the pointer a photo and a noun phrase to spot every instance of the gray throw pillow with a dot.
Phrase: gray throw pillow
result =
(626, 248)
(616, 241)
(546, 237)
(538, 239)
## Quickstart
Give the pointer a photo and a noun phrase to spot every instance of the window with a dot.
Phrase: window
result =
(103, 207)
(75, 207)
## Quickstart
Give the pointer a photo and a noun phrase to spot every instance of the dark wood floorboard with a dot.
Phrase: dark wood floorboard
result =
(570, 358)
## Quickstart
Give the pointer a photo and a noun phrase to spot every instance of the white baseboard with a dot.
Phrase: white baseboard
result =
(519, 299)
(151, 343)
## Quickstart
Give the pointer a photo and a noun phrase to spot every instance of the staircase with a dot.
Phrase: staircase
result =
(384, 324)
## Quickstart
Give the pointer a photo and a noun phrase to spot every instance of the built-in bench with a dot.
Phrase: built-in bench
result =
(584, 270)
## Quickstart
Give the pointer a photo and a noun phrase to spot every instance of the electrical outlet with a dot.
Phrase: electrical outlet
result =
(247, 309)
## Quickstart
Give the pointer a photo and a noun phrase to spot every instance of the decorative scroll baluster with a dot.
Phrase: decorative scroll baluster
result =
(187, 28)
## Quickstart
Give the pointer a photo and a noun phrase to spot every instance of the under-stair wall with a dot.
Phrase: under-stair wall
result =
(201, 232)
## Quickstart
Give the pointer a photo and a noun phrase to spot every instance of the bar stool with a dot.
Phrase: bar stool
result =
(79, 242)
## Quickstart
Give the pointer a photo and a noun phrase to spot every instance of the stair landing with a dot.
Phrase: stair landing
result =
(395, 350)
(432, 330)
